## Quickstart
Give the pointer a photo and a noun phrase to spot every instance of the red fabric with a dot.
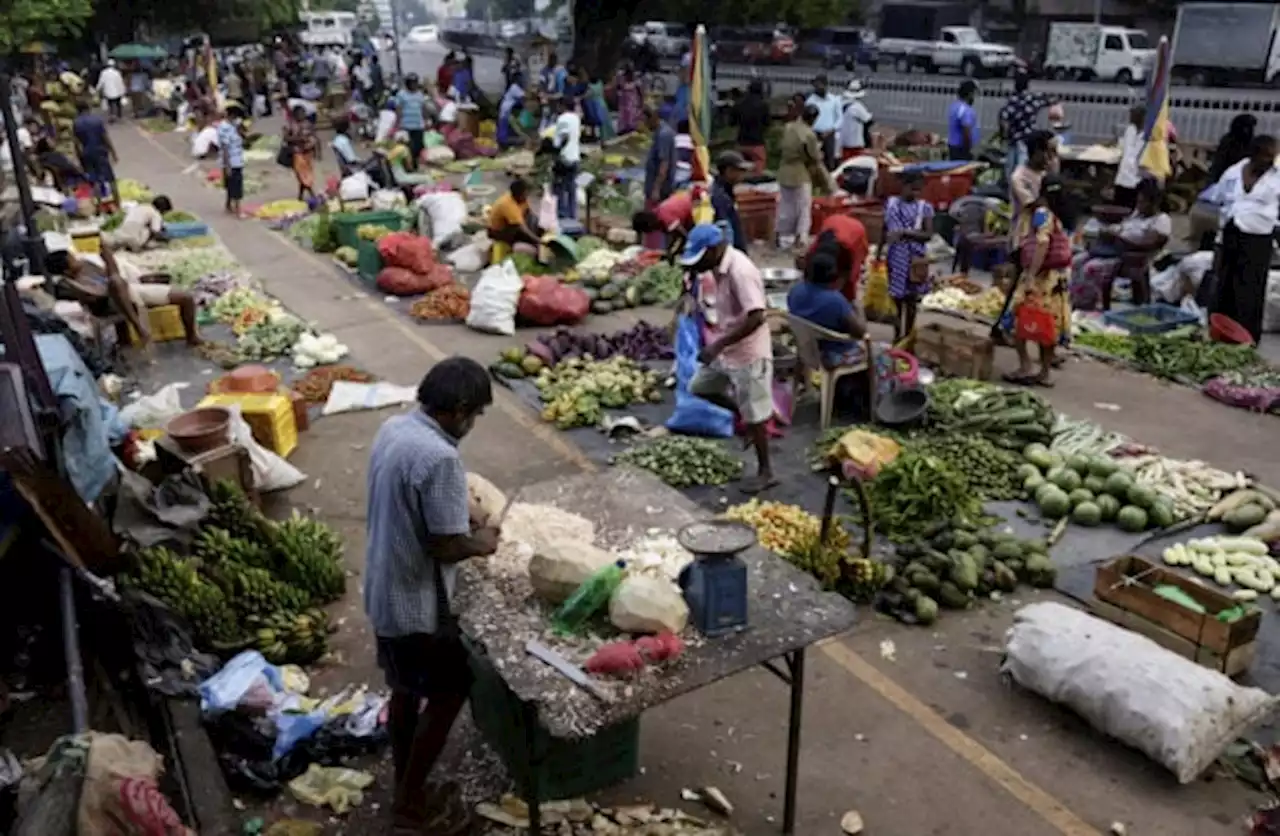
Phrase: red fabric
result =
(404, 249)
(852, 236)
(544, 301)
(676, 212)
(1058, 256)
(1034, 324)
(400, 281)
(444, 78)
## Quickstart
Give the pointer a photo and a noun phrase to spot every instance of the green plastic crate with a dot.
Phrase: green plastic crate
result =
(368, 260)
(345, 224)
(567, 768)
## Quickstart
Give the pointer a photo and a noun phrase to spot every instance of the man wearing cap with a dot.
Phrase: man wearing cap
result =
(111, 88)
(743, 350)
(731, 167)
(830, 111)
(855, 122)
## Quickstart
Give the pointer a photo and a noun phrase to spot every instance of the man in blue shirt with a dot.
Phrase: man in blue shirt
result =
(818, 299)
(660, 166)
(962, 122)
(96, 151)
(231, 148)
(731, 167)
(830, 112)
(411, 104)
(419, 529)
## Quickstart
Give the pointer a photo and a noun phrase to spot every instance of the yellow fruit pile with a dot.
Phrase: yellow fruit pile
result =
(785, 529)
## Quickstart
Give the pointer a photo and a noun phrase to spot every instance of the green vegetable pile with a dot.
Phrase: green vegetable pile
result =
(229, 306)
(990, 471)
(193, 265)
(1010, 418)
(684, 462)
(660, 284)
(914, 491)
(1116, 345)
(953, 564)
(272, 336)
(1091, 490)
(177, 216)
(304, 231)
(588, 244)
(577, 391)
(347, 255)
(250, 582)
(1180, 357)
(324, 238)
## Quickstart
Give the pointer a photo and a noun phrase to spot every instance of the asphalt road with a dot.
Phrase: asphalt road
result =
(424, 58)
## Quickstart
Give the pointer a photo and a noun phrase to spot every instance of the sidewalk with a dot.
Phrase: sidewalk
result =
(931, 743)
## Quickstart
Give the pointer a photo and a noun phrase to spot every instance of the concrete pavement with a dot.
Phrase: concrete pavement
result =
(929, 742)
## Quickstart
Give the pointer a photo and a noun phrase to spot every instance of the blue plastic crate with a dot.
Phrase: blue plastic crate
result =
(1167, 318)
(186, 229)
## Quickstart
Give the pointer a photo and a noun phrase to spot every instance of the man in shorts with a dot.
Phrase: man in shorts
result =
(231, 149)
(419, 529)
(743, 349)
(142, 225)
(110, 283)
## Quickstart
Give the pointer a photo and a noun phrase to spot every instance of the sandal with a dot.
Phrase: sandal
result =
(758, 485)
(1018, 379)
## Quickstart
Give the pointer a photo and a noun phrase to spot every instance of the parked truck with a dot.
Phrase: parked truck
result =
(936, 37)
(1094, 52)
(1225, 44)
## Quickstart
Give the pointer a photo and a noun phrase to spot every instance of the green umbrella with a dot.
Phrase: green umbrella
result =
(137, 52)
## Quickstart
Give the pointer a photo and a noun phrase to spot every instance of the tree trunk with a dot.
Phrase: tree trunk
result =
(599, 30)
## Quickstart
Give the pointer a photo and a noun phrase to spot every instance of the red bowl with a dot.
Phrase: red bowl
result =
(1224, 329)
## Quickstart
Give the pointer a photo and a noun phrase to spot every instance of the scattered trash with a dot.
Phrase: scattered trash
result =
(851, 823)
(579, 818)
(889, 650)
(716, 800)
(333, 786)
(1118, 828)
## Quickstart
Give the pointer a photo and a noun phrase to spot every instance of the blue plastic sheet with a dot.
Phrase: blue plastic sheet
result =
(694, 415)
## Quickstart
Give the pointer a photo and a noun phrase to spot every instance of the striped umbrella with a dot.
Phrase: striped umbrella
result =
(700, 105)
(1155, 155)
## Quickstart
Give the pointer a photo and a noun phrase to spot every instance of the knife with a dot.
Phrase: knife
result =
(572, 672)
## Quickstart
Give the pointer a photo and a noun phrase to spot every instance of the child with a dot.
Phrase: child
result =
(908, 226)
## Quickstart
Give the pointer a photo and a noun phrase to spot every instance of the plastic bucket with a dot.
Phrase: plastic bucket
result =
(1224, 329)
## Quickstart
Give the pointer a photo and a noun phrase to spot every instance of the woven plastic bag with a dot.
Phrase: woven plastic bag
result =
(1174, 711)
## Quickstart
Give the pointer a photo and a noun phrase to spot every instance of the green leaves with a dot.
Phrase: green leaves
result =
(23, 21)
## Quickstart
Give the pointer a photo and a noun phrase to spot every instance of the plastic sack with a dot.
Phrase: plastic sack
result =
(400, 281)
(441, 215)
(355, 187)
(693, 415)
(468, 259)
(271, 472)
(876, 301)
(155, 410)
(347, 396)
(248, 680)
(439, 155)
(544, 301)
(407, 250)
(332, 786)
(1271, 304)
(1176, 712)
(646, 604)
(494, 300)
(119, 796)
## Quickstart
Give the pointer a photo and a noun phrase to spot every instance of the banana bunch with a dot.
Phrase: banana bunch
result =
(309, 556)
(234, 513)
(215, 546)
(863, 578)
(299, 638)
(256, 592)
(178, 583)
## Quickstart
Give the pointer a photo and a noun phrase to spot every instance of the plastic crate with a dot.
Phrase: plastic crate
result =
(345, 224)
(88, 243)
(186, 229)
(566, 768)
(165, 323)
(368, 260)
(1150, 319)
(271, 418)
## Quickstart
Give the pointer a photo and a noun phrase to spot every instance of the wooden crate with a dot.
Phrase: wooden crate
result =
(1129, 582)
(955, 350)
(1234, 664)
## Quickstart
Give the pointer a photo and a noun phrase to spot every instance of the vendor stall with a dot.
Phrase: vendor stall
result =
(787, 612)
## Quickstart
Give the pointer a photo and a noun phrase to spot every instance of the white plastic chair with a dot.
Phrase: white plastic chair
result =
(807, 335)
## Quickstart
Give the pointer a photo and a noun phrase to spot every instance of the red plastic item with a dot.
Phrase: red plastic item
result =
(1224, 329)
(616, 659)
(1034, 324)
(407, 250)
(660, 648)
(826, 207)
(544, 301)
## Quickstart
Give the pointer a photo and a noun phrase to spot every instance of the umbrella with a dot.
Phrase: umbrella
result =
(137, 52)
(1155, 155)
(700, 93)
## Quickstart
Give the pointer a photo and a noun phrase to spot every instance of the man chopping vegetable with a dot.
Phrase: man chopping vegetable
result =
(419, 529)
(743, 350)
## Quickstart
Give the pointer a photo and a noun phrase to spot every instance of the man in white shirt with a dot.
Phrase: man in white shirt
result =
(1129, 172)
(1250, 191)
(568, 144)
(830, 112)
(855, 122)
(142, 224)
(112, 89)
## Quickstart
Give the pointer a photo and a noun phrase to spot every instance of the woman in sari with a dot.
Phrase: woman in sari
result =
(1147, 230)
(300, 137)
(630, 102)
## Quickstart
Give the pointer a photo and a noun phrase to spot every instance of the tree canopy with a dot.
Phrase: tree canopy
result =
(24, 21)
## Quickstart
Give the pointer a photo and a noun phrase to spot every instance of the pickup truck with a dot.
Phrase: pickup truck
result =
(1227, 44)
(957, 48)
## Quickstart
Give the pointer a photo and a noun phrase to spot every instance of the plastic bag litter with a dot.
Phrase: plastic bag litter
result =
(270, 471)
(333, 786)
(1176, 712)
(346, 396)
(155, 410)
(694, 415)
(494, 300)
(468, 259)
(355, 187)
(247, 681)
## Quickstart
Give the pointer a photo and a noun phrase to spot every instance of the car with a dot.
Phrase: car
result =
(428, 34)
(840, 46)
(669, 40)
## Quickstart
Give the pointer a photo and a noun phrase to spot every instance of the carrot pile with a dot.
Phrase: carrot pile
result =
(449, 302)
(314, 387)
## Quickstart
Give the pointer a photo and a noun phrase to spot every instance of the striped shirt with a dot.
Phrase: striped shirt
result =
(417, 488)
(231, 144)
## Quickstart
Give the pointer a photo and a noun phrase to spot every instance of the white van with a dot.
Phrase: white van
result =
(1094, 52)
(328, 28)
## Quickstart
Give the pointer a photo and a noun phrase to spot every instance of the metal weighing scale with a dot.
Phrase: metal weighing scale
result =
(715, 583)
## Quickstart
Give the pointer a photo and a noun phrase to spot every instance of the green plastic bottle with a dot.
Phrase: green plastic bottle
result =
(589, 598)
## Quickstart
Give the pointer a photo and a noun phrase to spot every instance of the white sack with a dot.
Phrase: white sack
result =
(494, 300)
(485, 500)
(1176, 712)
(441, 215)
(1271, 306)
(646, 604)
(356, 187)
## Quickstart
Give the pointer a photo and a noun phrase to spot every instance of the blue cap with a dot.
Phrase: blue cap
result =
(702, 238)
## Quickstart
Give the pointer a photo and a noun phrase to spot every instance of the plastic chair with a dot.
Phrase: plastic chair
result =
(807, 335)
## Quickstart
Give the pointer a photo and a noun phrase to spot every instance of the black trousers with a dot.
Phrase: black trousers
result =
(828, 150)
(417, 142)
(959, 152)
(1243, 264)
